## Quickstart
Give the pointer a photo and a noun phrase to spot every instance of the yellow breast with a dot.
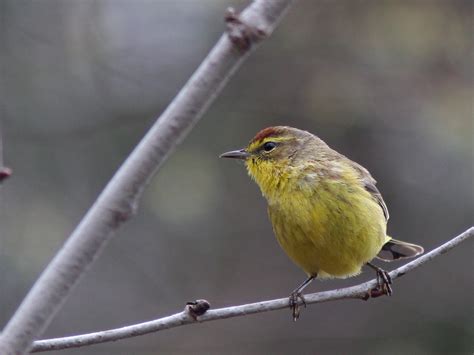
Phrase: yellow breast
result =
(328, 227)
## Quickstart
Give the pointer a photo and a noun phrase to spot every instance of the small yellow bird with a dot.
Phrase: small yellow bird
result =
(326, 212)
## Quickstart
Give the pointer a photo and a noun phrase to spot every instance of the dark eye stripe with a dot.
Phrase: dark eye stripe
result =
(268, 146)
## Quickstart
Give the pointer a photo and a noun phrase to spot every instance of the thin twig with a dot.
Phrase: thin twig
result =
(118, 201)
(4, 171)
(183, 318)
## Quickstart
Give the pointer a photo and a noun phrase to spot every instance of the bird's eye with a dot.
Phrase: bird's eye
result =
(269, 146)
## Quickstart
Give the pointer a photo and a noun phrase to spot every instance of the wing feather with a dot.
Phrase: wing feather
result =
(369, 184)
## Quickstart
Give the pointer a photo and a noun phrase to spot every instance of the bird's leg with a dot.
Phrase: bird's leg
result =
(296, 296)
(383, 281)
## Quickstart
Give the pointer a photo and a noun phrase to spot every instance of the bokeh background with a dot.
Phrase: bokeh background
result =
(387, 83)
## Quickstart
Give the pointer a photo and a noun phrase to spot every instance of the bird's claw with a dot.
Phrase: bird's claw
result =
(383, 284)
(294, 300)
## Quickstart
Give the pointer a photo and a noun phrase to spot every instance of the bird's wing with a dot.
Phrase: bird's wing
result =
(369, 184)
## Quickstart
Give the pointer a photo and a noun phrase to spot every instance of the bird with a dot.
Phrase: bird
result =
(326, 212)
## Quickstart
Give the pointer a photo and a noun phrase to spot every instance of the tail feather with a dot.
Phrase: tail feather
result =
(396, 249)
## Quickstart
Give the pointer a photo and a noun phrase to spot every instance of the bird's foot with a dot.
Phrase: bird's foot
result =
(294, 300)
(384, 282)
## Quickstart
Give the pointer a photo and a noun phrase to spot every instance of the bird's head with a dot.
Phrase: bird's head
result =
(275, 154)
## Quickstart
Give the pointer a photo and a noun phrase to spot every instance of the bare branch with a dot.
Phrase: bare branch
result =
(118, 201)
(183, 318)
(4, 173)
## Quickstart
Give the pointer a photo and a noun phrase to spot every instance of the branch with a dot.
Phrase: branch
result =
(118, 200)
(4, 172)
(189, 317)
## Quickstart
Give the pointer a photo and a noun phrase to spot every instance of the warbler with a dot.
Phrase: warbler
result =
(326, 212)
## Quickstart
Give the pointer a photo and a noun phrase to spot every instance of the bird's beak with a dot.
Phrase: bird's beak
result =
(236, 154)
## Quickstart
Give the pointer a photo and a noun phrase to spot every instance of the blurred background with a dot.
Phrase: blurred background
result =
(387, 83)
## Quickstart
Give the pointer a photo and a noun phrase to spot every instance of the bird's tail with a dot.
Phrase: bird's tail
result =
(396, 249)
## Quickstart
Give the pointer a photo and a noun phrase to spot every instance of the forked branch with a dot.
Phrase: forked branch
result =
(190, 316)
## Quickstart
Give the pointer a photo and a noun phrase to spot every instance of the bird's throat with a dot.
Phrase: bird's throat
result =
(274, 180)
